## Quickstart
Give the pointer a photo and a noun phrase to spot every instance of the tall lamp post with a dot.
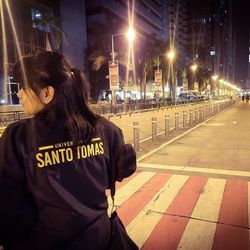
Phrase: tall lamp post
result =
(171, 56)
(130, 35)
(214, 78)
(194, 69)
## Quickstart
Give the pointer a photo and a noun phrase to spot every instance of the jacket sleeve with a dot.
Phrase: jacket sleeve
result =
(17, 209)
(124, 157)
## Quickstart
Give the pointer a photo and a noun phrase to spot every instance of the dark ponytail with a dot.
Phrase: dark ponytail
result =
(70, 103)
(80, 119)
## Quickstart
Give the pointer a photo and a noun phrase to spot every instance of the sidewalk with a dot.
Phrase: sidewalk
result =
(192, 192)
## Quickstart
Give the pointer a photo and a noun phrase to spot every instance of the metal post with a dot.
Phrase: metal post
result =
(200, 113)
(184, 119)
(204, 112)
(190, 117)
(176, 121)
(196, 115)
(154, 130)
(113, 51)
(167, 125)
(136, 136)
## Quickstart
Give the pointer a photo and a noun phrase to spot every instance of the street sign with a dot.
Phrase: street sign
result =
(158, 79)
(184, 84)
(113, 75)
(196, 87)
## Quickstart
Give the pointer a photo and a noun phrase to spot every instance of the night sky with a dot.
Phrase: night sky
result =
(241, 31)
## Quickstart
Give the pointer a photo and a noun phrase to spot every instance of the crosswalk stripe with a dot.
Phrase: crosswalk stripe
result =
(127, 190)
(136, 203)
(131, 187)
(231, 232)
(150, 166)
(200, 230)
(143, 224)
(169, 230)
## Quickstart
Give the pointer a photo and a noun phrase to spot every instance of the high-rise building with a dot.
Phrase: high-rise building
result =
(149, 16)
(248, 68)
(210, 36)
(177, 22)
(42, 24)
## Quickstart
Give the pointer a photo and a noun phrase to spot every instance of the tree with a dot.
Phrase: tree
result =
(148, 53)
(99, 53)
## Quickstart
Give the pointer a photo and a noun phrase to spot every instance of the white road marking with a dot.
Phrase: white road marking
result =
(199, 233)
(194, 169)
(126, 191)
(144, 223)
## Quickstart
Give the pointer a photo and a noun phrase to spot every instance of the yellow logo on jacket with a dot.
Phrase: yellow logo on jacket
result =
(65, 152)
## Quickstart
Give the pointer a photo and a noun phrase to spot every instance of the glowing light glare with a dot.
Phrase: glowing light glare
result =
(130, 34)
(221, 80)
(215, 77)
(171, 55)
(194, 67)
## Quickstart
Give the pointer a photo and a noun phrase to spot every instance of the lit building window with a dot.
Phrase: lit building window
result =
(39, 20)
(212, 52)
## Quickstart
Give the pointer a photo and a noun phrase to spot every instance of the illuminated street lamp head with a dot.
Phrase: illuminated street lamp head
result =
(215, 77)
(130, 34)
(171, 55)
(194, 67)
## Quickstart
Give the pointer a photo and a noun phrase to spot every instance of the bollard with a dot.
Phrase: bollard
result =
(167, 125)
(204, 112)
(136, 136)
(184, 119)
(16, 116)
(200, 113)
(190, 117)
(196, 115)
(176, 121)
(154, 130)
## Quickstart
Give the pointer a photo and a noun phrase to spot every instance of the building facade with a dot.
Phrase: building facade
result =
(39, 25)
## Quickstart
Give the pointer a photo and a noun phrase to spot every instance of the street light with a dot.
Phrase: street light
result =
(130, 34)
(171, 55)
(194, 67)
(215, 77)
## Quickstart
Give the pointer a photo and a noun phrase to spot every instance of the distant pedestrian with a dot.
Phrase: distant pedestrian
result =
(243, 97)
(247, 98)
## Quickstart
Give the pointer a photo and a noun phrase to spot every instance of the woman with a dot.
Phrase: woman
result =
(55, 166)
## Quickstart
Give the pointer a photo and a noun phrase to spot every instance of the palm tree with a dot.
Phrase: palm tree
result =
(148, 54)
(99, 53)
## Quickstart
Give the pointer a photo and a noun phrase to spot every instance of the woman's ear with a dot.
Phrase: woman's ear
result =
(47, 94)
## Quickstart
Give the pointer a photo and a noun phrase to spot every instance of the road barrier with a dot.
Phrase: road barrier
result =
(167, 125)
(154, 130)
(191, 117)
(176, 118)
(196, 115)
(184, 119)
(136, 136)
